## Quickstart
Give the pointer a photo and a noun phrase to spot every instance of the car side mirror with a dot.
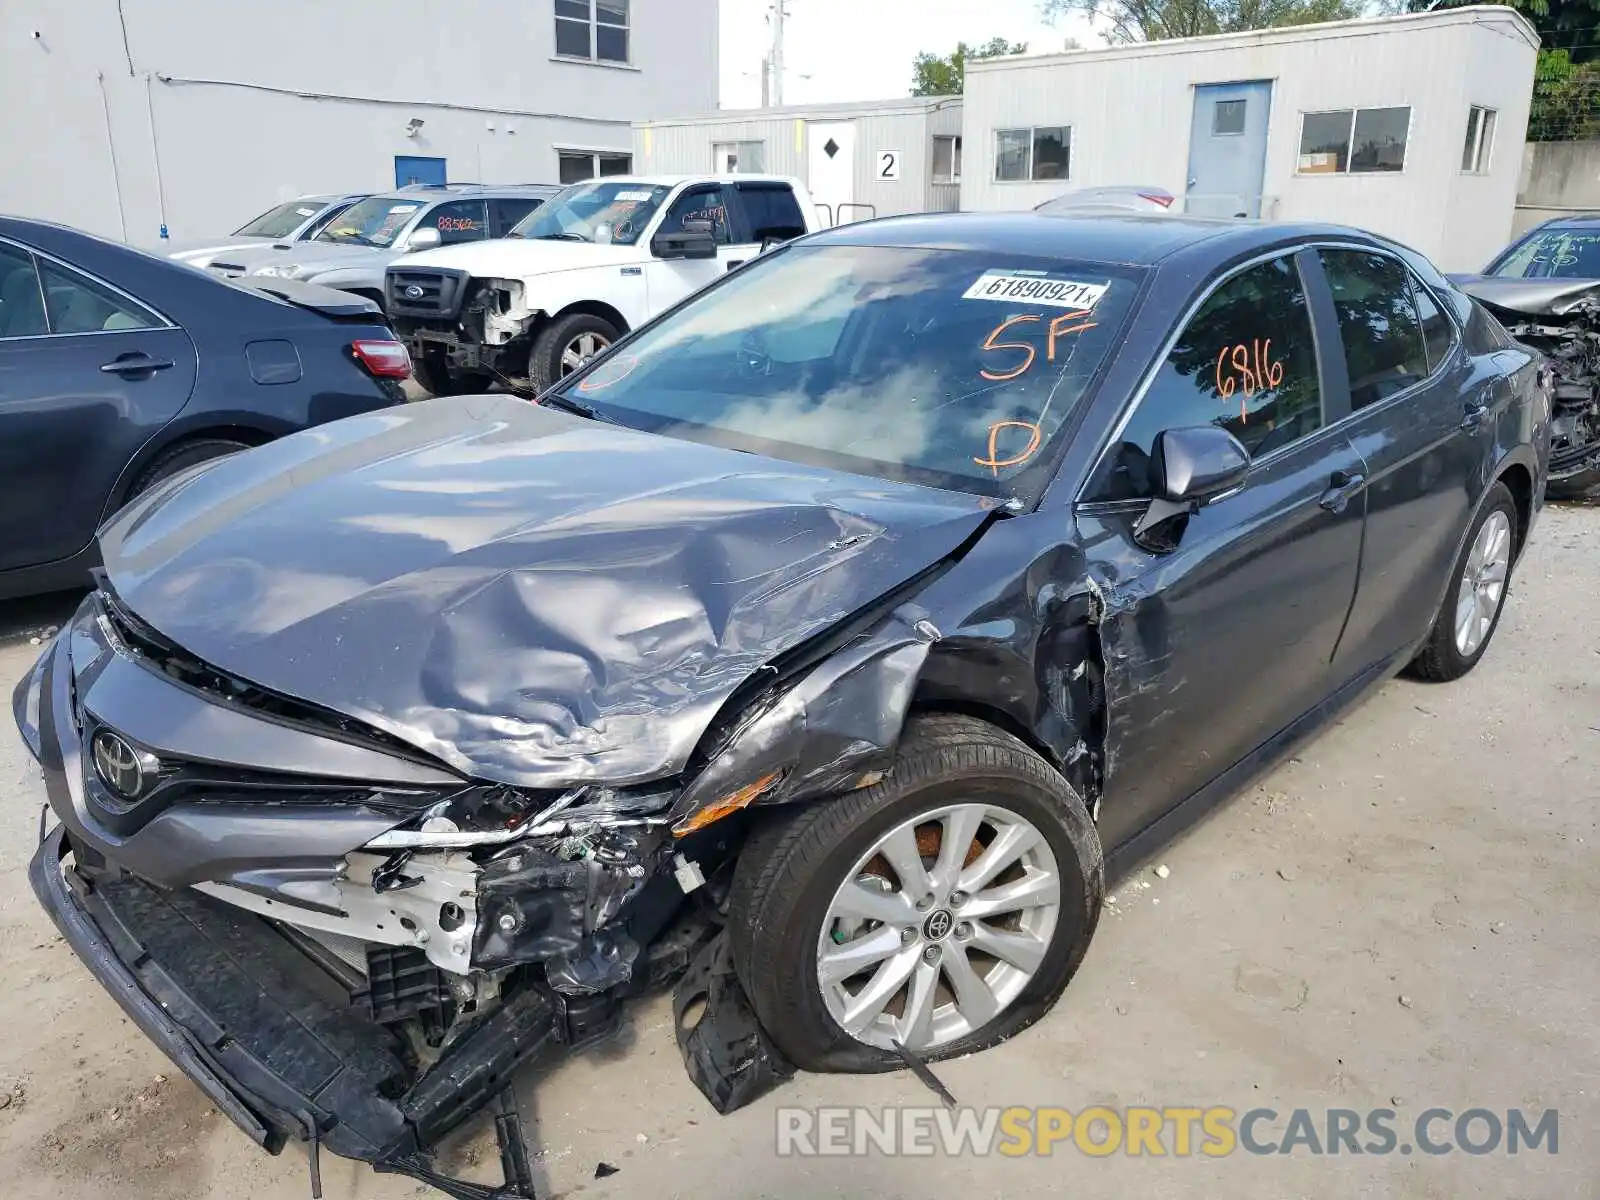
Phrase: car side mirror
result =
(690, 243)
(1189, 467)
(425, 238)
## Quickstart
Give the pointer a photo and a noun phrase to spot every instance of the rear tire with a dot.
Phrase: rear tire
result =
(566, 344)
(180, 458)
(437, 379)
(1490, 550)
(794, 869)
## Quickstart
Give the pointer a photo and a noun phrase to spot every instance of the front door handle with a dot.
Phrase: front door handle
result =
(1344, 485)
(1476, 411)
(137, 363)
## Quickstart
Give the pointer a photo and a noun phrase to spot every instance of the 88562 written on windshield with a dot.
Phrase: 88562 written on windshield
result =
(951, 368)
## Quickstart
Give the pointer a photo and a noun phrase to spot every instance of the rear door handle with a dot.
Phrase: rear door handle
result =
(1476, 411)
(1344, 486)
(138, 363)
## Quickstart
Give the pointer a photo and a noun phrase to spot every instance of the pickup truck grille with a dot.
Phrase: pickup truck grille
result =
(415, 292)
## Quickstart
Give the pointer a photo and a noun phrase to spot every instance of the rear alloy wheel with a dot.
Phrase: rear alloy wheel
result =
(180, 458)
(943, 909)
(565, 345)
(1477, 594)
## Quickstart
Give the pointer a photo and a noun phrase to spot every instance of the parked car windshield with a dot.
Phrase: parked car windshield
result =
(375, 221)
(951, 368)
(281, 221)
(1553, 254)
(604, 212)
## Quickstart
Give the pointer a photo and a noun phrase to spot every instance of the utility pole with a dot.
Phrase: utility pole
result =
(766, 80)
(777, 51)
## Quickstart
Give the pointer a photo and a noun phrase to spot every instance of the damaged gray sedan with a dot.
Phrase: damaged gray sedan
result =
(810, 651)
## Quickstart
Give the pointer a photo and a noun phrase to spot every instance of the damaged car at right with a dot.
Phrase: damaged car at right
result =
(815, 650)
(1545, 290)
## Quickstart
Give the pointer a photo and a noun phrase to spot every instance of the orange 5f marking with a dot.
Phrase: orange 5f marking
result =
(1067, 322)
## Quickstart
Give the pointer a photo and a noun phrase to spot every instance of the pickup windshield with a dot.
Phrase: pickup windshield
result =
(608, 212)
(1553, 254)
(281, 221)
(951, 368)
(376, 221)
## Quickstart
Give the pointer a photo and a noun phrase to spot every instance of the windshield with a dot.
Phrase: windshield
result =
(280, 221)
(376, 221)
(1553, 254)
(608, 212)
(951, 368)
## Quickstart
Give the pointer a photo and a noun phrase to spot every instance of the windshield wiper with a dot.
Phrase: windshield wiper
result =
(556, 400)
(561, 237)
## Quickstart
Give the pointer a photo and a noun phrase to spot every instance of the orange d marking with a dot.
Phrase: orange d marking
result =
(994, 462)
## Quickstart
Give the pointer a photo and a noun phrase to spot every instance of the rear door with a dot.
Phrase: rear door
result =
(1422, 412)
(87, 375)
(1220, 642)
(670, 280)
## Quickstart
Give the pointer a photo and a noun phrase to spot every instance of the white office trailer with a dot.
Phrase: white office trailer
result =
(1411, 126)
(124, 118)
(858, 160)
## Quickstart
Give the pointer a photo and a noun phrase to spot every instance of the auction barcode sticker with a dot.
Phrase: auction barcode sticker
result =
(1040, 289)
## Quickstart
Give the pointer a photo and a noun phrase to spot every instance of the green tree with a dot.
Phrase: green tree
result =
(1153, 20)
(1570, 25)
(936, 75)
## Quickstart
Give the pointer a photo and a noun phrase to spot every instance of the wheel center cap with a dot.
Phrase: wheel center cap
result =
(938, 925)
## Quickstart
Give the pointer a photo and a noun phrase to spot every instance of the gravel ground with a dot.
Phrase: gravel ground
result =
(1402, 916)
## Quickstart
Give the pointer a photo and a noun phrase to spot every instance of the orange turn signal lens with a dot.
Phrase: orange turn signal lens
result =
(714, 812)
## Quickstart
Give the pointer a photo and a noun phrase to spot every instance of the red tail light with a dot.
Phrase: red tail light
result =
(383, 359)
(1162, 198)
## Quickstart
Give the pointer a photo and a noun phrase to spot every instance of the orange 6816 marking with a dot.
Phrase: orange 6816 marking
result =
(1251, 368)
(994, 462)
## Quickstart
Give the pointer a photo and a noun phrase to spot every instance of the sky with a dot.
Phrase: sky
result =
(842, 50)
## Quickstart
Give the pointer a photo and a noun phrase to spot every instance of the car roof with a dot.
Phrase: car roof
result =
(1136, 239)
(1574, 221)
(439, 191)
(675, 180)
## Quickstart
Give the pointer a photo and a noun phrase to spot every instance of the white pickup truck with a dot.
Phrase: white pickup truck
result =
(588, 266)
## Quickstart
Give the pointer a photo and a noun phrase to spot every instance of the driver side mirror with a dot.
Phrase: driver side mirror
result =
(1189, 467)
(425, 238)
(692, 242)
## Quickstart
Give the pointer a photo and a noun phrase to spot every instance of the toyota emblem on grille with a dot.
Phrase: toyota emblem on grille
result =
(122, 768)
(413, 292)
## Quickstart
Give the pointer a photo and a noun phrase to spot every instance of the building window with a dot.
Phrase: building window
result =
(1477, 154)
(736, 158)
(1353, 141)
(596, 30)
(1041, 153)
(1227, 118)
(946, 159)
(578, 165)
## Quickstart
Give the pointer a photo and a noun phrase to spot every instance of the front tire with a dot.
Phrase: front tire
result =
(945, 907)
(566, 344)
(1476, 597)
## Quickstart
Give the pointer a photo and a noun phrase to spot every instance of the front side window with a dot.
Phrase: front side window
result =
(21, 298)
(951, 368)
(946, 159)
(1476, 154)
(706, 207)
(593, 29)
(376, 221)
(460, 221)
(279, 222)
(1353, 141)
(601, 213)
(1246, 361)
(1383, 344)
(1041, 153)
(1553, 254)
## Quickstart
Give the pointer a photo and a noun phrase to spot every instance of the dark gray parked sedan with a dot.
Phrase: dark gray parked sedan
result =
(815, 647)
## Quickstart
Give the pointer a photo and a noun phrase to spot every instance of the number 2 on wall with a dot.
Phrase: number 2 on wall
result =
(888, 164)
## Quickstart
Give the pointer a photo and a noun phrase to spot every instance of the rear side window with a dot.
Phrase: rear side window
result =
(1246, 361)
(773, 211)
(21, 302)
(460, 221)
(1438, 334)
(504, 214)
(1382, 334)
(77, 304)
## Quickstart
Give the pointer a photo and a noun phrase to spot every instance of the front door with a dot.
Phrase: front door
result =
(1228, 149)
(1214, 646)
(832, 161)
(86, 376)
(670, 280)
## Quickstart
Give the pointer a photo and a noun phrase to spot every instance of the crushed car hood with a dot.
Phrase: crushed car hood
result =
(1549, 297)
(535, 598)
(520, 258)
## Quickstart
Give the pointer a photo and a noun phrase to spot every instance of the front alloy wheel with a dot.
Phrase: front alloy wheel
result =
(939, 927)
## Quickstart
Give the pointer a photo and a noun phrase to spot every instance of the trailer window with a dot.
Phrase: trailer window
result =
(1353, 141)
